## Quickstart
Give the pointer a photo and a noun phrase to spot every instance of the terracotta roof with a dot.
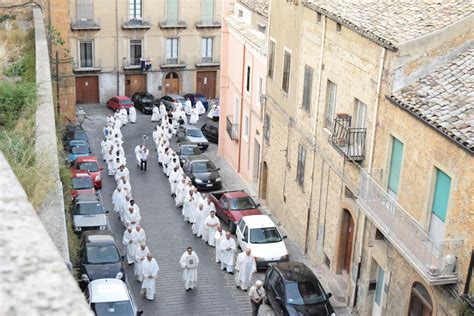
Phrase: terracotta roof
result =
(445, 99)
(259, 6)
(390, 22)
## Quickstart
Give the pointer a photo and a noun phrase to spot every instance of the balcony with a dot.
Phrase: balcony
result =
(136, 23)
(207, 62)
(435, 260)
(212, 24)
(88, 66)
(232, 129)
(173, 24)
(348, 140)
(85, 24)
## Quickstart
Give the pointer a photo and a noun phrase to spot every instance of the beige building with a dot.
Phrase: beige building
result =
(114, 42)
(334, 172)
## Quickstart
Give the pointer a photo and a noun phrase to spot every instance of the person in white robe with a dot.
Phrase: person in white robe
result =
(110, 162)
(194, 116)
(188, 107)
(228, 249)
(162, 112)
(132, 115)
(200, 107)
(180, 192)
(116, 165)
(116, 199)
(245, 267)
(138, 150)
(131, 218)
(110, 119)
(188, 205)
(140, 255)
(123, 116)
(218, 237)
(129, 242)
(211, 223)
(182, 119)
(141, 236)
(189, 263)
(174, 178)
(122, 172)
(124, 204)
(166, 160)
(155, 114)
(124, 184)
(150, 271)
(103, 148)
(199, 221)
(202, 216)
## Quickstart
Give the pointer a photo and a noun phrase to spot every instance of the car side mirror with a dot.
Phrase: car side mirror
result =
(218, 169)
(107, 212)
(123, 256)
(329, 295)
(284, 237)
(258, 205)
(139, 313)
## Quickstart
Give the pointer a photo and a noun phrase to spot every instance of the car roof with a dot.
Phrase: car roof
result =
(258, 221)
(108, 290)
(198, 158)
(87, 197)
(100, 239)
(87, 159)
(295, 271)
(122, 97)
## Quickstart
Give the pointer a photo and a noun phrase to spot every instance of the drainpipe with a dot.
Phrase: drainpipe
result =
(241, 108)
(308, 216)
(117, 47)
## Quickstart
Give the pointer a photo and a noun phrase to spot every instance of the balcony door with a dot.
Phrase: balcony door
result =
(439, 204)
(395, 167)
(379, 292)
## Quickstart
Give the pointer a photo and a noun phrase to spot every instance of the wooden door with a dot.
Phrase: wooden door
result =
(349, 240)
(171, 83)
(206, 83)
(87, 89)
(135, 83)
(263, 182)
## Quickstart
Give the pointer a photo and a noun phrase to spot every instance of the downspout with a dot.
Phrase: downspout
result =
(241, 108)
(308, 216)
(117, 47)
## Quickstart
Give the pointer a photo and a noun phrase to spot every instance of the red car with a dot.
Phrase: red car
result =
(232, 205)
(90, 164)
(82, 183)
(118, 102)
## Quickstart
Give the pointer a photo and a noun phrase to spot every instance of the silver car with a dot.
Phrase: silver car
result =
(192, 134)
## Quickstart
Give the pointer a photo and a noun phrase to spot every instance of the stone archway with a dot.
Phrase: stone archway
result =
(171, 83)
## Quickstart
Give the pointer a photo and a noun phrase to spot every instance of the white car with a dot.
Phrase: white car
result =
(260, 234)
(111, 297)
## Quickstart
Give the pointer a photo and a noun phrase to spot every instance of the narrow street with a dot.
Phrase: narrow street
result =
(167, 234)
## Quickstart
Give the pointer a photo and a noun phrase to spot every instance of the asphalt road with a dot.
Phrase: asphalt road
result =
(167, 233)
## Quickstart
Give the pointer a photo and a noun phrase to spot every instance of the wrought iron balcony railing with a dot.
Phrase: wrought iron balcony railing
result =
(79, 24)
(348, 140)
(435, 260)
(232, 128)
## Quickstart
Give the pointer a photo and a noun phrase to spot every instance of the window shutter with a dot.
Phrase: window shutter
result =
(308, 82)
(441, 195)
(172, 12)
(85, 9)
(207, 11)
(395, 165)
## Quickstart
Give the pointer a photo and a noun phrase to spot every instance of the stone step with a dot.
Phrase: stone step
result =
(338, 289)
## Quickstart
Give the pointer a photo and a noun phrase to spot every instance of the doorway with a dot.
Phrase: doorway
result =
(256, 160)
(379, 291)
(135, 83)
(263, 182)
(206, 83)
(346, 238)
(171, 83)
(87, 89)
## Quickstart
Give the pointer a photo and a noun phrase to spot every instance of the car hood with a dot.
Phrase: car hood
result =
(207, 176)
(73, 157)
(314, 309)
(236, 215)
(102, 271)
(269, 252)
(196, 139)
(89, 220)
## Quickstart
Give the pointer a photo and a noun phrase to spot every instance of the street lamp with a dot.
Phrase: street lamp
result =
(81, 115)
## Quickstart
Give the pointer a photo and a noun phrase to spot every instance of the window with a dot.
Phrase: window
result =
(206, 50)
(440, 203)
(300, 165)
(285, 82)
(208, 11)
(247, 84)
(395, 167)
(85, 10)
(172, 7)
(420, 301)
(135, 9)
(135, 52)
(261, 28)
(271, 58)
(266, 128)
(360, 114)
(86, 54)
(236, 110)
(240, 13)
(246, 127)
(330, 104)
(171, 50)
(260, 90)
(308, 82)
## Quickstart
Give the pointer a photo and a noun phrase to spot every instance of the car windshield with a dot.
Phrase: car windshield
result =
(190, 150)
(82, 183)
(89, 166)
(265, 235)
(80, 135)
(194, 133)
(244, 203)
(125, 102)
(101, 254)
(88, 209)
(203, 166)
(148, 98)
(80, 149)
(304, 293)
(121, 308)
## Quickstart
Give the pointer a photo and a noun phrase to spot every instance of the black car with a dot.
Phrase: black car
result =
(211, 132)
(203, 173)
(187, 150)
(100, 257)
(293, 289)
(144, 102)
(74, 132)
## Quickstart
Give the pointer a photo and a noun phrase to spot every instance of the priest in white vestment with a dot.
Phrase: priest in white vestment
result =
(228, 249)
(141, 236)
(174, 178)
(218, 237)
(129, 242)
(150, 273)
(211, 223)
(132, 114)
(140, 255)
(194, 116)
(245, 267)
(155, 115)
(189, 262)
(188, 107)
(200, 107)
(131, 218)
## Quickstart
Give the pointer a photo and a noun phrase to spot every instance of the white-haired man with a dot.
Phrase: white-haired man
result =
(257, 297)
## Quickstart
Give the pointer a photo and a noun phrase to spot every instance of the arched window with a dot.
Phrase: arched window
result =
(420, 301)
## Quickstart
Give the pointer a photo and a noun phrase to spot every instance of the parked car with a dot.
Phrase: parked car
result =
(171, 101)
(119, 102)
(293, 289)
(100, 257)
(74, 132)
(82, 183)
(211, 132)
(76, 151)
(187, 150)
(192, 134)
(260, 234)
(144, 102)
(75, 142)
(111, 297)
(231, 206)
(194, 97)
(88, 213)
(90, 164)
(203, 173)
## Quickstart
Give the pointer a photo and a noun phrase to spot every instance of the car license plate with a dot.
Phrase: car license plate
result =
(209, 185)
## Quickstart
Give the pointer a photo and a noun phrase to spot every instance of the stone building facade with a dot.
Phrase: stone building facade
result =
(327, 148)
(112, 41)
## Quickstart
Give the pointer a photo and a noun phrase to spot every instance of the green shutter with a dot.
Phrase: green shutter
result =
(172, 12)
(207, 11)
(395, 165)
(441, 195)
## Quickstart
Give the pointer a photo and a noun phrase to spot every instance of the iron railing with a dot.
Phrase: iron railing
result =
(348, 140)
(232, 128)
(136, 23)
(78, 24)
(434, 259)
